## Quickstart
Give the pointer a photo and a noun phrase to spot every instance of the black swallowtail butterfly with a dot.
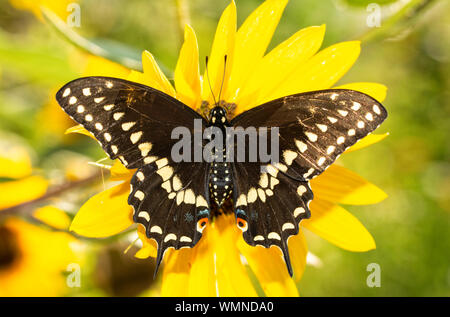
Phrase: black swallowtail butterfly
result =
(174, 200)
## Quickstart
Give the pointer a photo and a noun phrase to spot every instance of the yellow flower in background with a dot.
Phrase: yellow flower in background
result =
(33, 260)
(21, 184)
(60, 7)
(56, 120)
(215, 266)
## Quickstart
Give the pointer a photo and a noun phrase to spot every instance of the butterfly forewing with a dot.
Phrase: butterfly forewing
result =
(131, 121)
(316, 127)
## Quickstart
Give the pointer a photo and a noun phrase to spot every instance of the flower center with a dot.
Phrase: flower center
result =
(9, 251)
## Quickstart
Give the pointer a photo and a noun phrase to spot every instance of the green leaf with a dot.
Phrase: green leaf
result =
(36, 63)
(111, 52)
(117, 52)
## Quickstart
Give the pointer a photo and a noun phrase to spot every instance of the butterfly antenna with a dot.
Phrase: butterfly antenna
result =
(210, 87)
(223, 76)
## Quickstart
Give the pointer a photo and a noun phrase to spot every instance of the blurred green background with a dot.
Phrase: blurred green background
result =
(411, 57)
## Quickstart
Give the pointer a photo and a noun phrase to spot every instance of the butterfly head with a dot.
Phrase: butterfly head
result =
(218, 116)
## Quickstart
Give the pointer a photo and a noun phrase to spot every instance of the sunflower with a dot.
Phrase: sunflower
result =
(20, 182)
(56, 121)
(29, 265)
(222, 263)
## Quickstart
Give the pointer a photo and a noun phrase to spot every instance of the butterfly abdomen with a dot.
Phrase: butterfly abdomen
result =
(220, 182)
(220, 177)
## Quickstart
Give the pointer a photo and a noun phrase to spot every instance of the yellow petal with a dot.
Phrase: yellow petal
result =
(270, 269)
(104, 214)
(366, 141)
(153, 75)
(15, 161)
(175, 280)
(298, 249)
(232, 276)
(99, 66)
(321, 72)
(149, 246)
(58, 7)
(338, 226)
(374, 90)
(340, 185)
(187, 73)
(144, 253)
(252, 40)
(278, 64)
(223, 44)
(53, 216)
(19, 191)
(138, 77)
(202, 279)
(120, 172)
(79, 129)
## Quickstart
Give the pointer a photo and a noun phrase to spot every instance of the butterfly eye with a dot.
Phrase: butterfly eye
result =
(242, 224)
(201, 224)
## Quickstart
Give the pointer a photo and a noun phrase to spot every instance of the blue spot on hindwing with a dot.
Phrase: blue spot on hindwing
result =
(240, 212)
(203, 213)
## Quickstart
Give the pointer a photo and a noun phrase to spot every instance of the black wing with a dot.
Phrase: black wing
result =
(172, 202)
(314, 129)
(134, 123)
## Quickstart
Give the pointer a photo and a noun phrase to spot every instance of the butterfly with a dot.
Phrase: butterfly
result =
(175, 200)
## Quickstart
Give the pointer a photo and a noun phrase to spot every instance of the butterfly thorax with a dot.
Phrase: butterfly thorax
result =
(220, 180)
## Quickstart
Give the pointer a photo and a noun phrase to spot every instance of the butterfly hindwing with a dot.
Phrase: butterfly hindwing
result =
(132, 122)
(171, 201)
(270, 204)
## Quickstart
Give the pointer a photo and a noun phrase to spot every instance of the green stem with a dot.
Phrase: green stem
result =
(29, 206)
(26, 209)
(82, 43)
(130, 60)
